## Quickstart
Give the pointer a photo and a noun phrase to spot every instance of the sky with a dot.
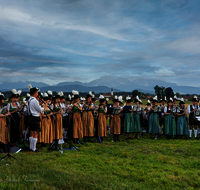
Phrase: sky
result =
(54, 41)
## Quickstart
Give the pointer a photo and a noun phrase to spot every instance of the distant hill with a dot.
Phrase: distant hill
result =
(79, 88)
(104, 85)
(8, 86)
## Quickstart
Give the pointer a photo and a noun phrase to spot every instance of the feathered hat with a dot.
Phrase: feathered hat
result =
(18, 93)
(61, 95)
(101, 98)
(33, 89)
(68, 98)
(128, 99)
(50, 93)
(115, 99)
(170, 100)
(195, 99)
(14, 95)
(155, 99)
(46, 96)
(89, 95)
(120, 99)
(181, 101)
(57, 96)
(175, 98)
(76, 94)
(136, 99)
(148, 103)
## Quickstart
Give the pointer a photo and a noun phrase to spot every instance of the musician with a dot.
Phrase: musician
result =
(77, 122)
(154, 119)
(57, 122)
(182, 125)
(128, 118)
(3, 127)
(136, 118)
(102, 123)
(115, 125)
(34, 111)
(48, 131)
(162, 115)
(13, 108)
(192, 121)
(170, 124)
(88, 119)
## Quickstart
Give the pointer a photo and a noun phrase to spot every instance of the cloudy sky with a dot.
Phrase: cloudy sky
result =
(54, 41)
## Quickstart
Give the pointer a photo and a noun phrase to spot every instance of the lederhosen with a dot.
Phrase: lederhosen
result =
(33, 122)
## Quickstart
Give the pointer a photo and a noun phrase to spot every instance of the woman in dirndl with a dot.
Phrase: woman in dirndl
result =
(182, 124)
(136, 119)
(115, 124)
(154, 119)
(76, 118)
(88, 119)
(102, 123)
(128, 117)
(170, 123)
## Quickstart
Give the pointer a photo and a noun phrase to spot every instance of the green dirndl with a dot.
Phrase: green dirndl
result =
(136, 125)
(170, 125)
(182, 125)
(154, 123)
(128, 123)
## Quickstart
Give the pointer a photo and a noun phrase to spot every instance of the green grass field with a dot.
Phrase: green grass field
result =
(138, 164)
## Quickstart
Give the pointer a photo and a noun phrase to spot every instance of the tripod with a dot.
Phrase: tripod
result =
(54, 144)
(8, 155)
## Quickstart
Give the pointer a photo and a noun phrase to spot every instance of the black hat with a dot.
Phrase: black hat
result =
(181, 101)
(89, 95)
(101, 99)
(136, 99)
(33, 89)
(148, 103)
(93, 99)
(76, 94)
(194, 99)
(57, 96)
(115, 99)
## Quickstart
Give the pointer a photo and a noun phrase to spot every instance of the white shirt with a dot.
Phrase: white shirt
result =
(165, 109)
(34, 107)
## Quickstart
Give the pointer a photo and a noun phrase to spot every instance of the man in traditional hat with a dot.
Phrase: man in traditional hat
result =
(192, 120)
(34, 110)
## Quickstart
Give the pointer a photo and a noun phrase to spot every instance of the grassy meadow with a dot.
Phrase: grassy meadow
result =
(136, 164)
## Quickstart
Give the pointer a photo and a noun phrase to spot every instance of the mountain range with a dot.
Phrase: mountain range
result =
(103, 85)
